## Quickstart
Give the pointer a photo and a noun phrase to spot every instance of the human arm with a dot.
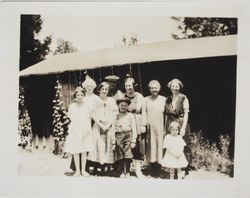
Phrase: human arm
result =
(185, 117)
(144, 115)
(134, 132)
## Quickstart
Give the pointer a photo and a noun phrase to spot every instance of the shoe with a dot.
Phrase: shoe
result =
(139, 174)
(85, 174)
(76, 174)
(122, 175)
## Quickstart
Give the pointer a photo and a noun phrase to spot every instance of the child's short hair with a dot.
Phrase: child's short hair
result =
(173, 124)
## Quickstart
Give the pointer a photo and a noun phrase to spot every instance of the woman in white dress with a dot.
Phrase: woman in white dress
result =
(154, 110)
(80, 136)
(104, 132)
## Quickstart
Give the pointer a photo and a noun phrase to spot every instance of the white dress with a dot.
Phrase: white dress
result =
(174, 156)
(155, 123)
(105, 112)
(80, 135)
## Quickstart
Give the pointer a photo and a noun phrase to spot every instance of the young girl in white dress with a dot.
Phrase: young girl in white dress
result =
(80, 135)
(173, 145)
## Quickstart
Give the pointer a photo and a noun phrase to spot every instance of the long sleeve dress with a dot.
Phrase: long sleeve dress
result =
(105, 112)
(80, 136)
(154, 110)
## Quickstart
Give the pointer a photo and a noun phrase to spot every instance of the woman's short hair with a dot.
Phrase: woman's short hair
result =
(174, 124)
(177, 81)
(101, 85)
(154, 82)
(132, 80)
(77, 90)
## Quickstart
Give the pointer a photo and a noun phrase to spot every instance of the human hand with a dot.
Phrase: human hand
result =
(182, 132)
(132, 145)
(113, 147)
(142, 129)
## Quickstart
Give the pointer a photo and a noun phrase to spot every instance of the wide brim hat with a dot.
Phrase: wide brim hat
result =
(112, 78)
(119, 100)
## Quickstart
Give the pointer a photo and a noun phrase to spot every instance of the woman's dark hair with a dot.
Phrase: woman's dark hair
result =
(175, 80)
(101, 85)
(130, 79)
(78, 89)
(169, 99)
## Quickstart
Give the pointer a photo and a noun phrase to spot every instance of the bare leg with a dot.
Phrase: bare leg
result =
(171, 172)
(36, 141)
(180, 173)
(77, 163)
(84, 160)
(138, 168)
(44, 142)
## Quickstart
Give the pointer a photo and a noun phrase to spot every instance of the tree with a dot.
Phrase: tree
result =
(64, 47)
(201, 27)
(132, 40)
(32, 50)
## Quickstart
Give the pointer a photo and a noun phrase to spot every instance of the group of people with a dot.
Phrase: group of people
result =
(113, 131)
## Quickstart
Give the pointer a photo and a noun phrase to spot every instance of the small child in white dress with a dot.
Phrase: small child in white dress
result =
(174, 157)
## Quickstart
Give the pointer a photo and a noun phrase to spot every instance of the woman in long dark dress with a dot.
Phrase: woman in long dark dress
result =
(177, 109)
(177, 106)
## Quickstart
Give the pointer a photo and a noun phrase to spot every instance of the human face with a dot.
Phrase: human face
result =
(174, 131)
(154, 90)
(104, 90)
(79, 97)
(175, 87)
(123, 107)
(89, 89)
(129, 87)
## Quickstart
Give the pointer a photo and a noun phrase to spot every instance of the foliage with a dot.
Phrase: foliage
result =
(209, 155)
(129, 41)
(189, 27)
(60, 120)
(64, 47)
(32, 50)
(24, 123)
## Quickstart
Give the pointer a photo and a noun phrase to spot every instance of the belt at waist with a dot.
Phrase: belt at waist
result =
(125, 131)
(135, 112)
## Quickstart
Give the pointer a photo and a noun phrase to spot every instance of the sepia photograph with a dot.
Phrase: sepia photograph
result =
(127, 97)
(124, 99)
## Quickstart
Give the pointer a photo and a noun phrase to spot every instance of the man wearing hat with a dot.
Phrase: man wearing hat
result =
(113, 90)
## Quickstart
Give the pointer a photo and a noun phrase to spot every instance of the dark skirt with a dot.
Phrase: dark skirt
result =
(139, 150)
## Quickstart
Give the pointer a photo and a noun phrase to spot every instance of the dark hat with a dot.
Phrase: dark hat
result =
(112, 78)
(119, 100)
